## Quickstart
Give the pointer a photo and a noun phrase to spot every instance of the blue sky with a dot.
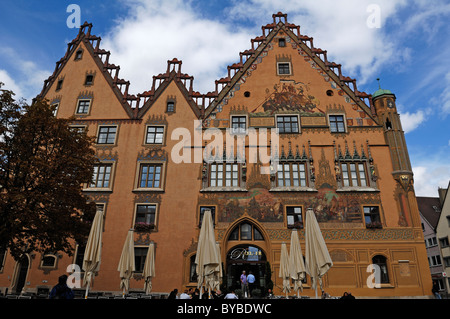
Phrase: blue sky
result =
(409, 51)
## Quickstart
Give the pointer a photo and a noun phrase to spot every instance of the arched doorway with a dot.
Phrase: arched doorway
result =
(21, 274)
(245, 251)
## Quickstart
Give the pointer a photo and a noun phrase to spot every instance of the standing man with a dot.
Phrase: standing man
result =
(251, 282)
(244, 286)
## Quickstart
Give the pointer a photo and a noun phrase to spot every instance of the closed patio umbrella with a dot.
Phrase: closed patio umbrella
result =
(92, 253)
(284, 269)
(149, 268)
(218, 272)
(297, 268)
(207, 259)
(126, 263)
(318, 260)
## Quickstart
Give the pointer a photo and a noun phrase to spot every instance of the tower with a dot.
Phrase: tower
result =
(386, 111)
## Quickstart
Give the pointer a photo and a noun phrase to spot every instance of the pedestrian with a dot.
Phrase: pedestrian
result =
(231, 295)
(217, 294)
(325, 295)
(61, 290)
(185, 295)
(251, 283)
(269, 294)
(435, 290)
(196, 294)
(244, 286)
(345, 295)
(173, 294)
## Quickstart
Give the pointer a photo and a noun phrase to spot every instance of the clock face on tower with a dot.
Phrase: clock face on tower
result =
(390, 103)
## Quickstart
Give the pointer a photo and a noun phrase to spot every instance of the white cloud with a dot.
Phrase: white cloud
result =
(429, 176)
(410, 121)
(158, 31)
(25, 78)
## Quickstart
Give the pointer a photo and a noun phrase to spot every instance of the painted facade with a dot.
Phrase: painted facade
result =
(340, 151)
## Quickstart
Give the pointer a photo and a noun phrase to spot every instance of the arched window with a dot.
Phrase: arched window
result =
(245, 231)
(381, 262)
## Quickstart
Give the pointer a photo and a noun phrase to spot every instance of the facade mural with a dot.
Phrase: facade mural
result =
(290, 96)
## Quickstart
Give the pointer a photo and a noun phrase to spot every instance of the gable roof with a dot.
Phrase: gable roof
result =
(203, 105)
(319, 56)
(109, 71)
(430, 208)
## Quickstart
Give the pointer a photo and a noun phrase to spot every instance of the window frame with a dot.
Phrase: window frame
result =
(349, 173)
(138, 187)
(78, 106)
(284, 63)
(163, 139)
(155, 217)
(238, 129)
(112, 165)
(296, 224)
(284, 123)
(201, 214)
(139, 268)
(116, 133)
(344, 123)
(375, 217)
(224, 171)
(291, 174)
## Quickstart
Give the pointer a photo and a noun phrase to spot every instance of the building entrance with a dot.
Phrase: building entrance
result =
(249, 258)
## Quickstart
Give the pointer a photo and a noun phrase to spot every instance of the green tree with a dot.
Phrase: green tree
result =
(43, 165)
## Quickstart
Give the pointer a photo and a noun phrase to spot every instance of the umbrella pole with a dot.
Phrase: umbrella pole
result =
(87, 291)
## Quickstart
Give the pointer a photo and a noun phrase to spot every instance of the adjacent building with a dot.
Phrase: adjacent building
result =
(170, 153)
(443, 235)
(430, 211)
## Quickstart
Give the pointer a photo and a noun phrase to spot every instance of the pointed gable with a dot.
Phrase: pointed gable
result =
(69, 81)
(283, 72)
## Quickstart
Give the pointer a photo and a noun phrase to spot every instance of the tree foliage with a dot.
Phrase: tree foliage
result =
(43, 165)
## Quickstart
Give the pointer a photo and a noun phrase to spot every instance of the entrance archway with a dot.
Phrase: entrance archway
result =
(246, 257)
(246, 249)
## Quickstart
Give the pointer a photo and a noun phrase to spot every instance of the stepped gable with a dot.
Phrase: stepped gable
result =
(134, 105)
(319, 56)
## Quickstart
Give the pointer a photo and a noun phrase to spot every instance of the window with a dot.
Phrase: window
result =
(287, 124)
(372, 216)
(140, 254)
(354, 174)
(434, 260)
(284, 68)
(89, 80)
(281, 42)
(48, 261)
(154, 135)
(106, 134)
(444, 242)
(56, 107)
(102, 176)
(224, 174)
(337, 123)
(294, 217)
(170, 107)
(291, 175)
(79, 256)
(83, 106)
(238, 124)
(145, 214)
(447, 261)
(59, 85)
(79, 55)
(430, 242)
(150, 176)
(202, 212)
(245, 231)
(381, 262)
